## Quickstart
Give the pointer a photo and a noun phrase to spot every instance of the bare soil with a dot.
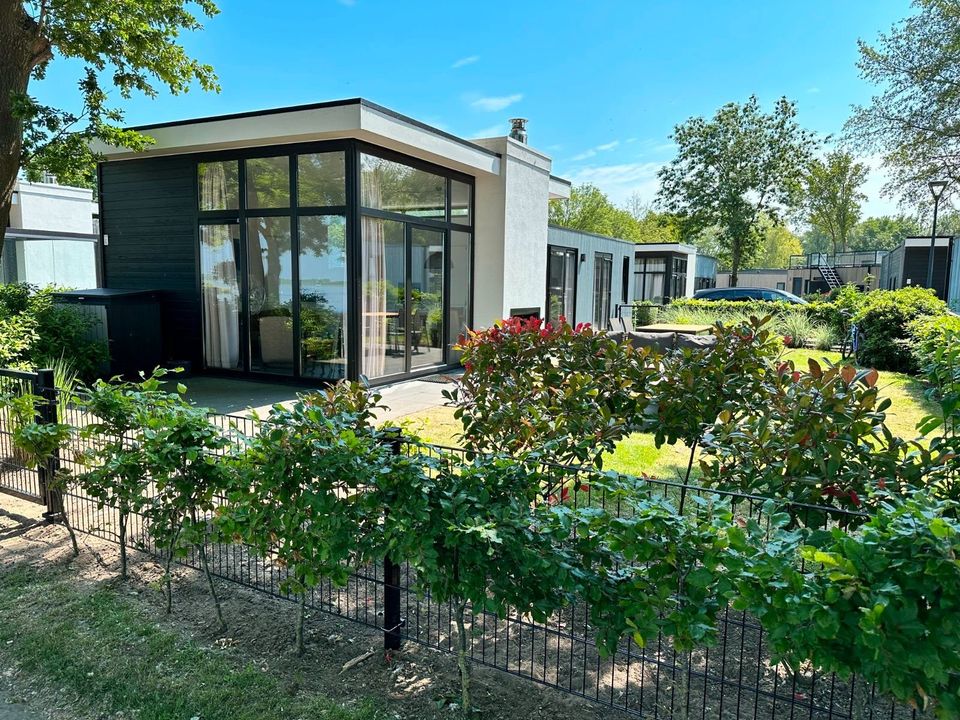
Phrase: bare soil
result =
(416, 682)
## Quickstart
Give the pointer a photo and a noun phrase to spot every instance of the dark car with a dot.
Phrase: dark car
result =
(747, 293)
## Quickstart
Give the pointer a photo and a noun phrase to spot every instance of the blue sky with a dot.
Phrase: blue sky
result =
(603, 82)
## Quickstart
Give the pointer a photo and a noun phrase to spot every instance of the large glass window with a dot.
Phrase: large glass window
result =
(321, 179)
(458, 312)
(220, 293)
(561, 284)
(268, 182)
(460, 204)
(219, 184)
(323, 296)
(602, 276)
(650, 279)
(399, 188)
(270, 294)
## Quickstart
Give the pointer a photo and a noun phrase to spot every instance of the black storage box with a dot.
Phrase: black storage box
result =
(130, 322)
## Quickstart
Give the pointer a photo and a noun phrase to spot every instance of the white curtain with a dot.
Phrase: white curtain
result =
(374, 299)
(221, 296)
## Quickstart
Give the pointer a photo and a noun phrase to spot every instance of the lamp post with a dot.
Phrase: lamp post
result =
(936, 189)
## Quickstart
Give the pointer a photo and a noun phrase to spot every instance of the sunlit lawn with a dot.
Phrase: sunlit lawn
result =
(638, 454)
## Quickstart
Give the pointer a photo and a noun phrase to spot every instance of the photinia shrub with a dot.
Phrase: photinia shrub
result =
(534, 386)
(818, 437)
(694, 385)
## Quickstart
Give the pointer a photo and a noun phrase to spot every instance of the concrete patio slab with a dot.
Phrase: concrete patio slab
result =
(238, 397)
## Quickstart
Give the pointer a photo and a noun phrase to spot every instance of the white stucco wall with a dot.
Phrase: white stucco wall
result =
(59, 208)
(511, 233)
(691, 274)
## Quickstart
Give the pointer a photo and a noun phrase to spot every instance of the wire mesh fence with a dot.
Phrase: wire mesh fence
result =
(734, 678)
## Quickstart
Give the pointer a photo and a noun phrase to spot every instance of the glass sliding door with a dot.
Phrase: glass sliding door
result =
(425, 309)
(602, 276)
(458, 302)
(220, 295)
(270, 295)
(561, 284)
(323, 296)
(383, 297)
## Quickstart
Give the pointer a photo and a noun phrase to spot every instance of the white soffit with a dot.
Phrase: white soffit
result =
(354, 119)
(559, 188)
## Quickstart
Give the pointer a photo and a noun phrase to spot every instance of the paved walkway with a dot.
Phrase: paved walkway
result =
(237, 397)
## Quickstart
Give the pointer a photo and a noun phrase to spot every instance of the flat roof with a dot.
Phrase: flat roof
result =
(551, 226)
(353, 118)
(668, 247)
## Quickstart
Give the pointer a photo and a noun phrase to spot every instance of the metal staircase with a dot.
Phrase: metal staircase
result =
(830, 276)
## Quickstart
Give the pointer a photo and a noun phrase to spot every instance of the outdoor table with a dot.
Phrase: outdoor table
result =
(681, 329)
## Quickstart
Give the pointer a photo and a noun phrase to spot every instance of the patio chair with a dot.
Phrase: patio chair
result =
(616, 324)
(628, 324)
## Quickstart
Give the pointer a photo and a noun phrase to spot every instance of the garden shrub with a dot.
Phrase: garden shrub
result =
(478, 533)
(693, 386)
(816, 437)
(571, 393)
(796, 328)
(884, 317)
(296, 493)
(882, 602)
(35, 332)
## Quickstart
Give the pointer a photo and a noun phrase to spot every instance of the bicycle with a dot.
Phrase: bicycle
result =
(852, 341)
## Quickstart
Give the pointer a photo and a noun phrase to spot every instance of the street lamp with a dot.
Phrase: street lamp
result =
(936, 189)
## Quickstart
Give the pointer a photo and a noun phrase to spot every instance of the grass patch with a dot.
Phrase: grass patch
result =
(637, 454)
(94, 644)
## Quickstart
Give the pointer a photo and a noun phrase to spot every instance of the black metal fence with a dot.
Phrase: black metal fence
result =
(19, 476)
(735, 678)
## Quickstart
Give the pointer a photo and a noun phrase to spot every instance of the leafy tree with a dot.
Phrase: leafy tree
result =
(833, 196)
(885, 232)
(654, 227)
(914, 119)
(776, 247)
(732, 169)
(133, 43)
(590, 210)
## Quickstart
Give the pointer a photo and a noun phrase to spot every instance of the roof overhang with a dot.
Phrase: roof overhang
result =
(342, 119)
(913, 242)
(559, 188)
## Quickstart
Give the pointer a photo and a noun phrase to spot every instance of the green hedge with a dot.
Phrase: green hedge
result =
(35, 332)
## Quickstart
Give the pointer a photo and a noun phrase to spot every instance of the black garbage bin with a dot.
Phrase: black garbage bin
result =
(129, 320)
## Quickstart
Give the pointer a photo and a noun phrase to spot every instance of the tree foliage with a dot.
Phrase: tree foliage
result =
(590, 210)
(127, 45)
(914, 119)
(833, 196)
(732, 169)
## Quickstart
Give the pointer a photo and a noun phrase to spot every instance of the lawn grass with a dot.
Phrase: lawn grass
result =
(638, 454)
(93, 645)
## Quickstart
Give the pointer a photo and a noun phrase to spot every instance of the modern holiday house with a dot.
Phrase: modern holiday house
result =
(323, 241)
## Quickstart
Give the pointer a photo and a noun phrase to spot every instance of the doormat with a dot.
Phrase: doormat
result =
(439, 379)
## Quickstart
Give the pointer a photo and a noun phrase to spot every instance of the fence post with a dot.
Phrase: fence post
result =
(46, 390)
(392, 621)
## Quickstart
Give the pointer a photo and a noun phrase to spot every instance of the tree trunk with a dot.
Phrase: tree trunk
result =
(735, 253)
(213, 590)
(462, 663)
(123, 545)
(22, 49)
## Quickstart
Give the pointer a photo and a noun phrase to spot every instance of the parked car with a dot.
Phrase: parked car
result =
(748, 293)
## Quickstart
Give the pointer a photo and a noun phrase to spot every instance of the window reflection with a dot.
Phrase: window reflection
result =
(220, 290)
(460, 202)
(393, 186)
(458, 312)
(219, 184)
(323, 296)
(321, 179)
(270, 291)
(268, 182)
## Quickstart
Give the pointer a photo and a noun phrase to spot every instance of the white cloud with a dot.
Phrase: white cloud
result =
(494, 104)
(583, 156)
(813, 90)
(469, 60)
(587, 154)
(608, 146)
(622, 180)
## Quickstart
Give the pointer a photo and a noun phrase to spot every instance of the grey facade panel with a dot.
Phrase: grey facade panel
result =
(915, 264)
(150, 220)
(587, 246)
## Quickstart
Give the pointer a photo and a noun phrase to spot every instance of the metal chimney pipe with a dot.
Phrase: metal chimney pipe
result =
(518, 129)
